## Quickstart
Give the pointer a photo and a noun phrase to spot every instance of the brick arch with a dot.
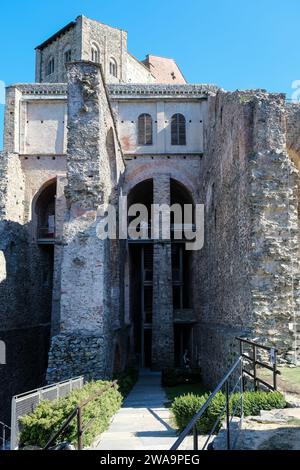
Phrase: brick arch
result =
(147, 172)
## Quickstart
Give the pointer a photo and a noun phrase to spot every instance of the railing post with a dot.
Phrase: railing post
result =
(275, 371)
(254, 366)
(242, 388)
(195, 435)
(79, 429)
(227, 415)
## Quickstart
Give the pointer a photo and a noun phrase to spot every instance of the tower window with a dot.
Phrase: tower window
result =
(50, 66)
(145, 129)
(178, 132)
(68, 56)
(113, 70)
(95, 54)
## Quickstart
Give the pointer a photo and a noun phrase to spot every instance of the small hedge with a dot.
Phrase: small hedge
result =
(186, 406)
(126, 380)
(39, 426)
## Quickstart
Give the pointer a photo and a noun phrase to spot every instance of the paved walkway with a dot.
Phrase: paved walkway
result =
(143, 423)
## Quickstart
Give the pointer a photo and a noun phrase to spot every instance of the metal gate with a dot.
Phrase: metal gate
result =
(26, 402)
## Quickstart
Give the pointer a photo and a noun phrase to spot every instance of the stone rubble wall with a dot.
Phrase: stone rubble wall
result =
(274, 218)
(90, 314)
(24, 303)
(248, 269)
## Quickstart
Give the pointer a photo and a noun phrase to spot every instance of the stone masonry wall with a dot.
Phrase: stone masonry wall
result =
(85, 342)
(162, 320)
(274, 236)
(246, 266)
(24, 309)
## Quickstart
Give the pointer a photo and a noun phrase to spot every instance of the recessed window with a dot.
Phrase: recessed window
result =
(68, 56)
(145, 129)
(178, 132)
(50, 66)
(113, 70)
(95, 54)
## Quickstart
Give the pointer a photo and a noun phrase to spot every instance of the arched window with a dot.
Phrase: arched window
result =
(68, 56)
(113, 69)
(95, 54)
(145, 129)
(178, 132)
(50, 66)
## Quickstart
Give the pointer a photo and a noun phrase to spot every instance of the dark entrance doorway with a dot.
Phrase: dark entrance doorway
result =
(183, 343)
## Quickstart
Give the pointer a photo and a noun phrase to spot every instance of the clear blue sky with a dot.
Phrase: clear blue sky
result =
(233, 43)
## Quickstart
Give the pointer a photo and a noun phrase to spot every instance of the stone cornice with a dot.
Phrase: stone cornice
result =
(126, 91)
(42, 88)
(155, 90)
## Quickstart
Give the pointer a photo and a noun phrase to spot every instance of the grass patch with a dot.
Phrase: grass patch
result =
(183, 389)
(288, 380)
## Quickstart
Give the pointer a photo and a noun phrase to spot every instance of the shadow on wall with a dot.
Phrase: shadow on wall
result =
(24, 331)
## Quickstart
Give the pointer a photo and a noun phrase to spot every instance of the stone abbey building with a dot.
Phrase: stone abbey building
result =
(99, 124)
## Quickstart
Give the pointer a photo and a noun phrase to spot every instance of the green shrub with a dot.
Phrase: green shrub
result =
(253, 402)
(126, 380)
(40, 425)
(186, 406)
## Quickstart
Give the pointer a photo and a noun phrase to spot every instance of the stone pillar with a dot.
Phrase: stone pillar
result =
(84, 343)
(162, 318)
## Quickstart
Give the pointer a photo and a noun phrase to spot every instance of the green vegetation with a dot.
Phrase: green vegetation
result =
(126, 380)
(38, 427)
(184, 407)
(184, 389)
(288, 380)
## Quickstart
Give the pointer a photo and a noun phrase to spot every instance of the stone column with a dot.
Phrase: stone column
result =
(84, 343)
(162, 318)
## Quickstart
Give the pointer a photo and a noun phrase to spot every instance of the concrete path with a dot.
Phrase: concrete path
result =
(143, 423)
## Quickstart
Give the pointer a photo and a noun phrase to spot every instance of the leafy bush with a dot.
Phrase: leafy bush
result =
(173, 377)
(186, 406)
(255, 401)
(40, 425)
(126, 380)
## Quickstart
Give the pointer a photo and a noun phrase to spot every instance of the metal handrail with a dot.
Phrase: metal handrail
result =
(77, 413)
(255, 362)
(253, 343)
(192, 424)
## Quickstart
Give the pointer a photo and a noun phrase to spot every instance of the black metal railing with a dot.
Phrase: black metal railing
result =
(226, 383)
(233, 382)
(253, 361)
(77, 412)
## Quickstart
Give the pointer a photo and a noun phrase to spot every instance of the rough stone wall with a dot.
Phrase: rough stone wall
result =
(85, 342)
(24, 327)
(246, 268)
(111, 42)
(56, 49)
(274, 236)
(162, 319)
(11, 120)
